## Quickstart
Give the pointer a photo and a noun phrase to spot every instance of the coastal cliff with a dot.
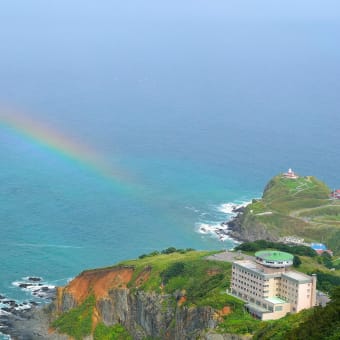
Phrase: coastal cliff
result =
(174, 295)
(290, 206)
(142, 313)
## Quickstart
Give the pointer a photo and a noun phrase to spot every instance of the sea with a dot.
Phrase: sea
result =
(132, 126)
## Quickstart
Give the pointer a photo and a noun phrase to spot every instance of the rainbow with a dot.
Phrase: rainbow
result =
(44, 135)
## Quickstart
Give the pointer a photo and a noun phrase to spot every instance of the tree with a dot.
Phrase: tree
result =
(296, 261)
(327, 260)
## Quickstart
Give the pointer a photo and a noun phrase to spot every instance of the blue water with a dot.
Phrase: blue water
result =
(200, 102)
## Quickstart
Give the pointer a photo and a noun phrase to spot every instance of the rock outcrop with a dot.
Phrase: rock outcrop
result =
(142, 313)
(245, 227)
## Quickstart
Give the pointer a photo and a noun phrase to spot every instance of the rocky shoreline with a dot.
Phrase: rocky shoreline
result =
(31, 324)
(29, 319)
(231, 227)
(228, 229)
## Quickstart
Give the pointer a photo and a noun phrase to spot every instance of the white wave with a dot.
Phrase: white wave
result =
(3, 312)
(23, 307)
(38, 289)
(230, 207)
(4, 336)
(215, 230)
(227, 208)
(205, 228)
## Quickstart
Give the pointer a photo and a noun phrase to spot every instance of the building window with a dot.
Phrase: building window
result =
(278, 308)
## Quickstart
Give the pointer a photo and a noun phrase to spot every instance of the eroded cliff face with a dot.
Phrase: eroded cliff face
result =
(141, 313)
(245, 227)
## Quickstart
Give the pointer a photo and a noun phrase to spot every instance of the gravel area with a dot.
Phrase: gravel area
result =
(230, 256)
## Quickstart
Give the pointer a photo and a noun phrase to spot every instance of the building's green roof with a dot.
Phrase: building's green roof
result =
(275, 300)
(274, 255)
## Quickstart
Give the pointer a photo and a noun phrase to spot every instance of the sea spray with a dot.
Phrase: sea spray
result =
(218, 228)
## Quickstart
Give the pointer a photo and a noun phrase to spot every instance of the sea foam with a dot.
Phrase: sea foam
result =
(216, 226)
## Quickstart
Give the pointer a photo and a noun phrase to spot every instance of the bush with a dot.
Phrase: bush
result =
(296, 261)
(169, 250)
(78, 321)
(173, 270)
(326, 282)
(116, 332)
(263, 244)
(327, 260)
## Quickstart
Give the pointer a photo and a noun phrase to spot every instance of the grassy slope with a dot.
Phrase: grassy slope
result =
(202, 282)
(313, 324)
(298, 207)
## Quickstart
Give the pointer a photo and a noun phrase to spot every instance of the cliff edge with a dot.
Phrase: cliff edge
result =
(174, 295)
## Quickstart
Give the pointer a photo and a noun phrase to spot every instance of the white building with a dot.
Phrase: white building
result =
(270, 289)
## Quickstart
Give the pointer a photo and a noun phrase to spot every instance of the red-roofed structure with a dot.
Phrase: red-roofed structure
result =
(290, 174)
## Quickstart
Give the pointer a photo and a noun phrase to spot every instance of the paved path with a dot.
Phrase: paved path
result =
(230, 256)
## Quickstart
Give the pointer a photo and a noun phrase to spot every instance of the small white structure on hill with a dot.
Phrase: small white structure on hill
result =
(290, 174)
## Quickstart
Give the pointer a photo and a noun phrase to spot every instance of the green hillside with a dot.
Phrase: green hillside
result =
(313, 324)
(190, 280)
(301, 207)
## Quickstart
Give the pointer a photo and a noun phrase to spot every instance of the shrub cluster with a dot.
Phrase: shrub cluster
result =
(169, 250)
(263, 244)
(78, 321)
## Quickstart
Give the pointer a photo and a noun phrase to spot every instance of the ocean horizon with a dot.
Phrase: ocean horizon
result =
(129, 128)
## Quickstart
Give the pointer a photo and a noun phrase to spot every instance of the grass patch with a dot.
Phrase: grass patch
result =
(78, 321)
(239, 322)
(257, 207)
(158, 264)
(115, 332)
(202, 281)
(278, 329)
(312, 324)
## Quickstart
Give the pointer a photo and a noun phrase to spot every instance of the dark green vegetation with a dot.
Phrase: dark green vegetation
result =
(296, 261)
(314, 324)
(116, 332)
(263, 244)
(78, 321)
(78, 324)
(169, 250)
(239, 322)
(295, 207)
